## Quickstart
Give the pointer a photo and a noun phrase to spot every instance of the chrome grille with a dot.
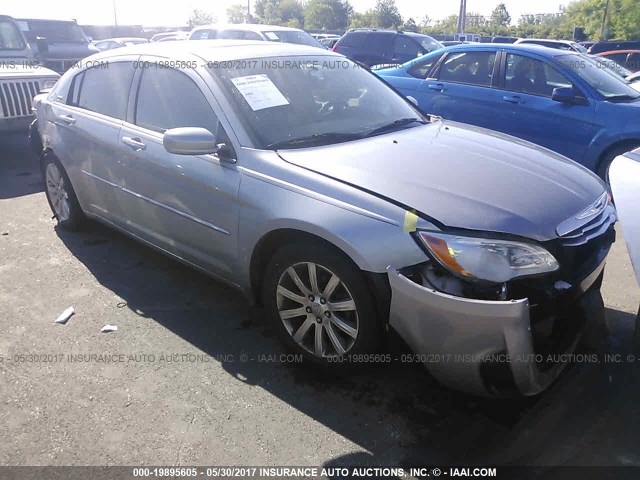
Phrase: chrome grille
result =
(16, 97)
(592, 222)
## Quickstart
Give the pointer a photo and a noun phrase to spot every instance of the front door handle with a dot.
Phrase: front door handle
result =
(68, 119)
(436, 86)
(512, 98)
(134, 142)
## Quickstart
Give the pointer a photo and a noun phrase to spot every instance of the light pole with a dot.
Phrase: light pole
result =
(604, 21)
(115, 15)
(248, 11)
(462, 16)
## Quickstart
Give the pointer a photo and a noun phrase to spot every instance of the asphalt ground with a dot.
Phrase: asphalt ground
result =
(196, 377)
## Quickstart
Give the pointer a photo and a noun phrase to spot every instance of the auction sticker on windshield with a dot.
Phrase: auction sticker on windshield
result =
(259, 91)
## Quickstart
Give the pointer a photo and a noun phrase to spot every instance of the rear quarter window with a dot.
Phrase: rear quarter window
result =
(353, 39)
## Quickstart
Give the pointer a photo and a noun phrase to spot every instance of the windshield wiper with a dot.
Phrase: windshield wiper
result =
(389, 127)
(316, 139)
(621, 96)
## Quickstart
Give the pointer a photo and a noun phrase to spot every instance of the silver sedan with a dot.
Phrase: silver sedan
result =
(328, 199)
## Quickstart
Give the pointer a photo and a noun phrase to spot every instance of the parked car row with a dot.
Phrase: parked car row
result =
(336, 205)
(561, 100)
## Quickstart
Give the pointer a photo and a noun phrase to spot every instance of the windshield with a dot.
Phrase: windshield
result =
(292, 36)
(607, 83)
(429, 44)
(612, 66)
(54, 31)
(579, 48)
(10, 37)
(294, 102)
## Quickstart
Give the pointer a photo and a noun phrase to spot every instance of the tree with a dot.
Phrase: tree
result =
(198, 17)
(328, 14)
(387, 14)
(410, 25)
(319, 15)
(362, 20)
(292, 13)
(500, 16)
(426, 20)
(237, 13)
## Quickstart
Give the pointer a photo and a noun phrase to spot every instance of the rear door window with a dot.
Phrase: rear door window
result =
(404, 46)
(353, 39)
(103, 90)
(231, 34)
(473, 68)
(204, 34)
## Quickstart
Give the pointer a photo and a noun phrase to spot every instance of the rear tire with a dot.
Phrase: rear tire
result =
(318, 303)
(60, 193)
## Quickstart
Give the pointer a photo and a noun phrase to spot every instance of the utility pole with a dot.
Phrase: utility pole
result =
(115, 15)
(603, 28)
(462, 16)
(248, 11)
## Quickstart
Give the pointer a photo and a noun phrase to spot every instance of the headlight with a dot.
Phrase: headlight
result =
(48, 84)
(485, 259)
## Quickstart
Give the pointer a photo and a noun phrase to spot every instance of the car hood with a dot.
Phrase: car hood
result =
(462, 177)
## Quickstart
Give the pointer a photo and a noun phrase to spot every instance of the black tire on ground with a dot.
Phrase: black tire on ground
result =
(369, 329)
(605, 162)
(75, 218)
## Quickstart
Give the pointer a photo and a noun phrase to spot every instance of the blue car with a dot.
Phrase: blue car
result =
(564, 101)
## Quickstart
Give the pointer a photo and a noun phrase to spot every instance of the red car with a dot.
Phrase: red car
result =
(629, 59)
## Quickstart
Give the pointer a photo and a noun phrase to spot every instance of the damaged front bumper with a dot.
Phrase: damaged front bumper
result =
(488, 347)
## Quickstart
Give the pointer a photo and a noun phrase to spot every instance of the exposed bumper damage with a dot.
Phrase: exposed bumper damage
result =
(514, 340)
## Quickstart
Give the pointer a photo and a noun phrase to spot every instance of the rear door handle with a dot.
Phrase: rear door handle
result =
(134, 142)
(512, 98)
(435, 86)
(68, 119)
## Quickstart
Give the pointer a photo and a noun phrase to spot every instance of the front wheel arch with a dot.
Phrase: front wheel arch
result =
(270, 243)
(612, 151)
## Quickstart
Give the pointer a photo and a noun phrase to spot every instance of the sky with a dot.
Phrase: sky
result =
(168, 12)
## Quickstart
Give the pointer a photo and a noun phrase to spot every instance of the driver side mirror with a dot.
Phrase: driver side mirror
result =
(564, 95)
(190, 141)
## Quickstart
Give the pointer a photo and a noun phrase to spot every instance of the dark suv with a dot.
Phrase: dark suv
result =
(600, 47)
(375, 47)
(57, 44)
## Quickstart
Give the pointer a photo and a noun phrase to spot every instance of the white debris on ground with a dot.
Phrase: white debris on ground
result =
(109, 328)
(65, 316)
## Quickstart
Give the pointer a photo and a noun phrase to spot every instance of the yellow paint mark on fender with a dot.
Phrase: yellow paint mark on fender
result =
(410, 222)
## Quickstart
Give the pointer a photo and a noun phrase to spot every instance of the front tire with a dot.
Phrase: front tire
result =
(60, 194)
(318, 302)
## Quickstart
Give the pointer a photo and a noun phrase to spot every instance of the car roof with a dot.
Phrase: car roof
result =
(549, 40)
(521, 47)
(626, 50)
(216, 50)
(253, 27)
(121, 39)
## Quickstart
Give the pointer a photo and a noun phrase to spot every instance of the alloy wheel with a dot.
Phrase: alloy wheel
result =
(317, 309)
(57, 191)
